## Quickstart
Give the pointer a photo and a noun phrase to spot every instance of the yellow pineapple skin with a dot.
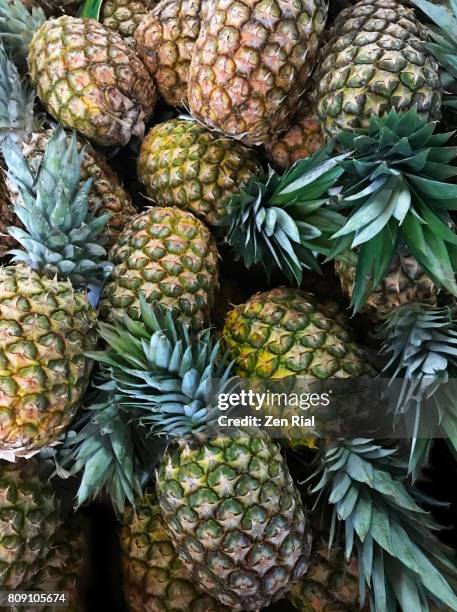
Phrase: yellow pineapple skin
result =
(170, 257)
(165, 42)
(405, 282)
(45, 329)
(88, 78)
(183, 164)
(251, 62)
(302, 139)
(155, 579)
(124, 16)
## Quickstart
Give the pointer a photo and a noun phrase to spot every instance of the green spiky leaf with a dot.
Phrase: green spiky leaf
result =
(17, 26)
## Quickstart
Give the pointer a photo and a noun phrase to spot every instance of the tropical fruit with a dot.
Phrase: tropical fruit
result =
(302, 139)
(155, 579)
(235, 516)
(404, 282)
(284, 332)
(165, 41)
(251, 62)
(107, 195)
(29, 517)
(124, 16)
(86, 75)
(375, 59)
(63, 568)
(331, 583)
(183, 164)
(170, 257)
(46, 319)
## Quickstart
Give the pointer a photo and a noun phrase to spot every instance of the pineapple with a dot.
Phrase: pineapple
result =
(302, 139)
(86, 76)
(17, 119)
(63, 568)
(330, 585)
(165, 42)
(155, 579)
(375, 59)
(124, 16)
(183, 164)
(404, 282)
(227, 498)
(251, 63)
(46, 319)
(170, 257)
(29, 517)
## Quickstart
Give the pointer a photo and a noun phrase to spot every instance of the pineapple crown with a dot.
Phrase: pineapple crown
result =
(420, 342)
(399, 558)
(17, 26)
(59, 229)
(17, 101)
(280, 221)
(396, 194)
(444, 45)
(159, 381)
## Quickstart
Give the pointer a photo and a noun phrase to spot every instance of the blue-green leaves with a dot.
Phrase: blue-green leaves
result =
(282, 221)
(395, 194)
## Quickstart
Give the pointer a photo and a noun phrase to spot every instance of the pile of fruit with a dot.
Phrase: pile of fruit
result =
(200, 192)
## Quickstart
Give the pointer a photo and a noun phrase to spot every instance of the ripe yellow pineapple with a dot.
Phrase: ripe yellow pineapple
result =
(85, 74)
(375, 59)
(155, 579)
(165, 42)
(404, 282)
(302, 139)
(170, 257)
(251, 62)
(183, 164)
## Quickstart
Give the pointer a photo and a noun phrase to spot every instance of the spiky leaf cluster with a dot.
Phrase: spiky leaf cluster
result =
(396, 194)
(444, 43)
(421, 345)
(280, 221)
(162, 369)
(16, 101)
(400, 561)
(60, 235)
(17, 25)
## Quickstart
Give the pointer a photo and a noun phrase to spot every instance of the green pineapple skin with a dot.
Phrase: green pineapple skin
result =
(29, 517)
(235, 516)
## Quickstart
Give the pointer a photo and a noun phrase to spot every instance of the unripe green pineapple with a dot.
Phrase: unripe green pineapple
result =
(124, 16)
(29, 517)
(183, 164)
(155, 579)
(170, 257)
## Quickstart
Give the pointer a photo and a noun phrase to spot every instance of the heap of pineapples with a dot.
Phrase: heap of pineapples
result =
(312, 139)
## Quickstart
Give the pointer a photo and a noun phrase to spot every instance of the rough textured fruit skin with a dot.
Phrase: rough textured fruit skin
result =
(405, 282)
(29, 517)
(107, 193)
(375, 59)
(45, 329)
(331, 583)
(168, 255)
(63, 568)
(251, 63)
(285, 332)
(124, 16)
(302, 139)
(235, 516)
(183, 164)
(89, 79)
(165, 42)
(155, 579)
